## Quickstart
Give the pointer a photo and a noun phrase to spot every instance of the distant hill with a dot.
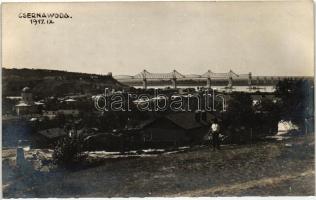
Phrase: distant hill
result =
(46, 83)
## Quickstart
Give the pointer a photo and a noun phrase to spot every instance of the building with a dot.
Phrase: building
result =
(53, 133)
(177, 128)
(49, 136)
(51, 114)
(26, 105)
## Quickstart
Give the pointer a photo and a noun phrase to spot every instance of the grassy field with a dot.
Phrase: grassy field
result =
(268, 168)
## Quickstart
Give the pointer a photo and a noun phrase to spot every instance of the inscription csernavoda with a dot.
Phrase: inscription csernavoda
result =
(44, 15)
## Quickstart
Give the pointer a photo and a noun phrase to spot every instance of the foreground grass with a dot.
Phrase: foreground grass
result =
(265, 169)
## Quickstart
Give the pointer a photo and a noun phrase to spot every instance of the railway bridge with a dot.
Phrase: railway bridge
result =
(207, 79)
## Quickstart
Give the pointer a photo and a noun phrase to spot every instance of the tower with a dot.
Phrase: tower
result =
(27, 96)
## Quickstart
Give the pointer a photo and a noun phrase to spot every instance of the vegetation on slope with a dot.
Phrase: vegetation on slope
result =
(45, 83)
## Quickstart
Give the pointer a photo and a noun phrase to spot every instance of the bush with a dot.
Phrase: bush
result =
(68, 151)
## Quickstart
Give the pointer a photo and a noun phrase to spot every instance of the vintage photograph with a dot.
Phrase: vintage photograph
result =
(158, 99)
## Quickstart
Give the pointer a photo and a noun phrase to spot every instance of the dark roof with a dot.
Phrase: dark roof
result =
(145, 123)
(53, 133)
(186, 120)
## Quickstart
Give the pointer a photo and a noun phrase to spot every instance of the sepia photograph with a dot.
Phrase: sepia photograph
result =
(158, 99)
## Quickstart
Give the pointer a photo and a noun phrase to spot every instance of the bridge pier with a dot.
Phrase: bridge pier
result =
(249, 81)
(265, 80)
(145, 83)
(230, 82)
(208, 82)
(174, 83)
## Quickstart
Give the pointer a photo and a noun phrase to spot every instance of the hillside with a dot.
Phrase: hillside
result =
(46, 83)
(267, 169)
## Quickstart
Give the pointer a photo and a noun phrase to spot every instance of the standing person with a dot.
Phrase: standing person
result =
(215, 128)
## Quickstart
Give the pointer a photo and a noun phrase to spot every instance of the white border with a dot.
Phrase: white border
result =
(157, 198)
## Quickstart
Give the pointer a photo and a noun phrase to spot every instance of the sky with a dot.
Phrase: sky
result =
(265, 38)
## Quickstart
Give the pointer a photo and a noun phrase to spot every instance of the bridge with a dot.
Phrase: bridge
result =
(208, 79)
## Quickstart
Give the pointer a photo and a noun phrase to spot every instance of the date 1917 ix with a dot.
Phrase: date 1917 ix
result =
(41, 21)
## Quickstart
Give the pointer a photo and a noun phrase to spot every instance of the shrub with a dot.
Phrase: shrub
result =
(68, 151)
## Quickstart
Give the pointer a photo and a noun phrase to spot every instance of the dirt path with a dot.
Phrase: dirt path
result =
(238, 188)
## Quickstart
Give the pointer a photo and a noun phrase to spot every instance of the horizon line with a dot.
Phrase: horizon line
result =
(107, 73)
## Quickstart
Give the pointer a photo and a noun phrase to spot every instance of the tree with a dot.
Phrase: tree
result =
(267, 116)
(239, 117)
(296, 101)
